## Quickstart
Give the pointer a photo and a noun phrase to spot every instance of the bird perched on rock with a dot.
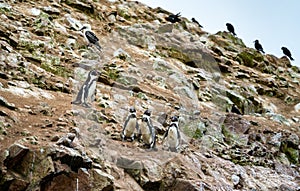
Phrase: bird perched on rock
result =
(195, 21)
(147, 131)
(287, 52)
(130, 126)
(87, 90)
(173, 135)
(90, 37)
(258, 46)
(230, 28)
(173, 18)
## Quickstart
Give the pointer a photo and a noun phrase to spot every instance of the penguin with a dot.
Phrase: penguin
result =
(173, 18)
(230, 28)
(147, 131)
(90, 37)
(258, 46)
(173, 135)
(287, 52)
(87, 90)
(130, 126)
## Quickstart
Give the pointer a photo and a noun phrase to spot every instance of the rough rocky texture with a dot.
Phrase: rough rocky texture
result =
(238, 109)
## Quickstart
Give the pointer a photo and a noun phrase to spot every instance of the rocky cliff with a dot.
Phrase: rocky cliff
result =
(238, 109)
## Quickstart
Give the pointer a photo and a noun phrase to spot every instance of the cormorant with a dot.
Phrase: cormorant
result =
(195, 21)
(287, 52)
(230, 28)
(258, 46)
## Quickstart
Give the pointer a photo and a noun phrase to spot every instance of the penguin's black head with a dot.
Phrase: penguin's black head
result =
(174, 118)
(132, 110)
(193, 19)
(94, 73)
(147, 112)
(283, 48)
(256, 41)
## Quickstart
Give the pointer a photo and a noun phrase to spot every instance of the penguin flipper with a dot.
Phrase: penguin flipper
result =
(86, 105)
(124, 127)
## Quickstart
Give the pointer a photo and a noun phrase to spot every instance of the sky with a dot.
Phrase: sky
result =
(273, 22)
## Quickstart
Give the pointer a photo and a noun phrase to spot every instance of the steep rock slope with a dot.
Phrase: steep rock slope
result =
(238, 109)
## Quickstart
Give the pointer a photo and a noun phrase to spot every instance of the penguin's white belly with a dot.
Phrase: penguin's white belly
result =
(91, 92)
(129, 130)
(173, 138)
(146, 135)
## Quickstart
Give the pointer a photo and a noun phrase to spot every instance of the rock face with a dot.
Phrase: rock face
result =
(238, 110)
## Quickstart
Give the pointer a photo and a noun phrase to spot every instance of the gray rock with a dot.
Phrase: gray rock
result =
(280, 119)
(120, 53)
(238, 100)
(5, 6)
(135, 35)
(102, 180)
(185, 91)
(235, 179)
(297, 107)
(276, 140)
(16, 154)
(35, 11)
(51, 10)
(71, 157)
(161, 65)
(71, 42)
(293, 139)
(167, 28)
(127, 163)
(75, 24)
(112, 18)
(66, 140)
(5, 103)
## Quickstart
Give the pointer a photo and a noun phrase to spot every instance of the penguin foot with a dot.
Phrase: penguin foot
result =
(86, 105)
(151, 149)
(172, 149)
(122, 137)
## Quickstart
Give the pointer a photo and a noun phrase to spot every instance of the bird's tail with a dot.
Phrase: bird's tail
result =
(98, 46)
(291, 58)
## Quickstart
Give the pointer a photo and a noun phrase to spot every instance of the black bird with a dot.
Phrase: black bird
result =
(173, 18)
(230, 28)
(195, 21)
(287, 52)
(258, 46)
(90, 37)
